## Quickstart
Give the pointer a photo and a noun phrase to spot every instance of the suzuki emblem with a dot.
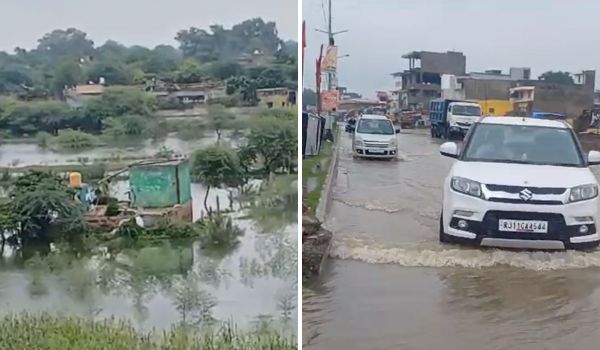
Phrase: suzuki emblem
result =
(525, 194)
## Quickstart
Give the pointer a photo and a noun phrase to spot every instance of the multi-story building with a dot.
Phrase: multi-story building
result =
(419, 84)
(571, 100)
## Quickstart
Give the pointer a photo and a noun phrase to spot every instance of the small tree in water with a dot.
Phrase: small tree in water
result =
(220, 118)
(216, 167)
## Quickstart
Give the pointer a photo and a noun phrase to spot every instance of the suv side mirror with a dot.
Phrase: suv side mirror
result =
(594, 158)
(397, 131)
(449, 149)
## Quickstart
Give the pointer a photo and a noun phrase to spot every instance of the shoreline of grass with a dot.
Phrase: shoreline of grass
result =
(44, 331)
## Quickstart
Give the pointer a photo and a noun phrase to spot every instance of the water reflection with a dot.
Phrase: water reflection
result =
(160, 283)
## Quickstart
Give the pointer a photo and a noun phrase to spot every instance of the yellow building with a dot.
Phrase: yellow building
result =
(276, 98)
(495, 107)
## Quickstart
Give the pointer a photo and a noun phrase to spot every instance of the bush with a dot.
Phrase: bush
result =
(219, 231)
(171, 103)
(43, 139)
(112, 209)
(94, 171)
(228, 101)
(74, 139)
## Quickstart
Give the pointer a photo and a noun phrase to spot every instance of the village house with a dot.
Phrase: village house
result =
(280, 97)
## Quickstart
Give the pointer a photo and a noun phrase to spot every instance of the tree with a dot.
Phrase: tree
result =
(60, 43)
(224, 70)
(189, 71)
(116, 102)
(309, 97)
(162, 59)
(557, 77)
(42, 201)
(9, 222)
(274, 140)
(220, 118)
(215, 167)
(67, 74)
(251, 37)
(113, 71)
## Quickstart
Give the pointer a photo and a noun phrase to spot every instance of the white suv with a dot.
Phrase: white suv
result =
(375, 136)
(521, 183)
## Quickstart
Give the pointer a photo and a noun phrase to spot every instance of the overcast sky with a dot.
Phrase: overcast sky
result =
(493, 34)
(142, 22)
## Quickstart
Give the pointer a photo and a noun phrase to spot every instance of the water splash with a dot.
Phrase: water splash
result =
(436, 255)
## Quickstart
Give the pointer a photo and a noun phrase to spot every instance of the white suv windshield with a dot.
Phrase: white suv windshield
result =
(523, 144)
(466, 110)
(375, 126)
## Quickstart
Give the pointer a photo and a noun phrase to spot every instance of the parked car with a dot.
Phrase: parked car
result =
(520, 183)
(375, 136)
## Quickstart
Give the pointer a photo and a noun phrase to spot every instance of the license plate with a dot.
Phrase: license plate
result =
(377, 151)
(529, 226)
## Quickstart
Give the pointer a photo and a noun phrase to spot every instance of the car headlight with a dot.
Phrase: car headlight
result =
(466, 186)
(358, 142)
(584, 192)
(393, 143)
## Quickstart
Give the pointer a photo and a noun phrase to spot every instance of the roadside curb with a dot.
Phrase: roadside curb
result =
(326, 199)
(326, 191)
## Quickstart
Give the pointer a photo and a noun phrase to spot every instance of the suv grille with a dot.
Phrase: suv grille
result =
(534, 190)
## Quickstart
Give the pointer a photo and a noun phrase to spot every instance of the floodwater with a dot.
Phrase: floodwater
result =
(391, 285)
(26, 154)
(160, 284)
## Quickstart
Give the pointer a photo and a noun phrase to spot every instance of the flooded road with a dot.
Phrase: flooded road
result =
(391, 285)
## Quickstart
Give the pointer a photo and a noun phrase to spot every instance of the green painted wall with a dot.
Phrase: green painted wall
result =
(153, 186)
(185, 182)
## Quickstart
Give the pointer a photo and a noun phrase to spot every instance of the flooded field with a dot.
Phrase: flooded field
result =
(391, 285)
(26, 154)
(157, 284)
(154, 285)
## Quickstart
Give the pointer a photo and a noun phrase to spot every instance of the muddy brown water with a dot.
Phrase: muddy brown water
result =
(391, 285)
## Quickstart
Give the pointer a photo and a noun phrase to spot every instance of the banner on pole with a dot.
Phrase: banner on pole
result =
(329, 63)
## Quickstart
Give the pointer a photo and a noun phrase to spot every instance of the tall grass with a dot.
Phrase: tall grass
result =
(33, 332)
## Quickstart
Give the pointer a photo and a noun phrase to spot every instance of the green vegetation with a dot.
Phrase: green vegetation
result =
(40, 204)
(557, 77)
(24, 332)
(315, 169)
(219, 231)
(220, 118)
(244, 58)
(216, 167)
(74, 140)
(273, 140)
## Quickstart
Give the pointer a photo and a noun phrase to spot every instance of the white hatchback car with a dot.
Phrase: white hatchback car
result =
(375, 136)
(521, 183)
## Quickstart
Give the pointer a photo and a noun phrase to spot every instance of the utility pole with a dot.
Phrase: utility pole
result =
(331, 75)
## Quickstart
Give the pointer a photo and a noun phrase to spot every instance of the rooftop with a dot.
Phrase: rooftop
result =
(91, 89)
(522, 121)
(418, 54)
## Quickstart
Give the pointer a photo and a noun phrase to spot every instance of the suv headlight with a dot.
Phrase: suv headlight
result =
(393, 143)
(466, 186)
(582, 193)
(358, 141)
